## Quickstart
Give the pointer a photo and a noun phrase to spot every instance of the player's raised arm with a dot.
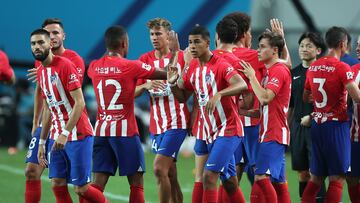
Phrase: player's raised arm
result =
(277, 27)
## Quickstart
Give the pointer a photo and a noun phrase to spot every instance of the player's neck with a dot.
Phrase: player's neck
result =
(225, 47)
(206, 57)
(241, 44)
(306, 63)
(335, 53)
(271, 62)
(59, 51)
(48, 60)
(161, 53)
(113, 53)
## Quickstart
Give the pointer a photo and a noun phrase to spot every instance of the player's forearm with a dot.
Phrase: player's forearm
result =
(233, 89)
(179, 94)
(158, 75)
(75, 114)
(285, 57)
(259, 91)
(38, 106)
(46, 123)
(139, 90)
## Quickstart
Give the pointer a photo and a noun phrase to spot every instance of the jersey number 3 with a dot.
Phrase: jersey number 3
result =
(112, 105)
(321, 82)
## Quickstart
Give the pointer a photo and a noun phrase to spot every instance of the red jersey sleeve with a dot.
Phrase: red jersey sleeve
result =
(186, 77)
(6, 72)
(70, 77)
(227, 71)
(141, 81)
(276, 80)
(90, 70)
(142, 70)
(345, 73)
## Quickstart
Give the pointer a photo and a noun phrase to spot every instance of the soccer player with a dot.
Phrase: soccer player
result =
(117, 143)
(326, 83)
(33, 170)
(311, 45)
(71, 132)
(347, 58)
(226, 34)
(358, 48)
(168, 117)
(214, 81)
(7, 75)
(274, 134)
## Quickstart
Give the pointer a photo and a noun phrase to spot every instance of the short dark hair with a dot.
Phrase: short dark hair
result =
(40, 32)
(114, 35)
(227, 30)
(159, 22)
(315, 38)
(200, 30)
(49, 21)
(242, 20)
(275, 40)
(334, 36)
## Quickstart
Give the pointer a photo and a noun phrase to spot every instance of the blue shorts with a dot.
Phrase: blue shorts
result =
(240, 154)
(124, 153)
(330, 148)
(168, 143)
(73, 162)
(221, 156)
(31, 156)
(251, 143)
(200, 147)
(355, 161)
(271, 161)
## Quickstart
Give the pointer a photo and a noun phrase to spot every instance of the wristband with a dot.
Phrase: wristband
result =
(173, 85)
(42, 141)
(65, 133)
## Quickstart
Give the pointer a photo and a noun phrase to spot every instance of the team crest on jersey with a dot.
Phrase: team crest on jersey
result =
(146, 66)
(53, 79)
(349, 75)
(208, 78)
(229, 69)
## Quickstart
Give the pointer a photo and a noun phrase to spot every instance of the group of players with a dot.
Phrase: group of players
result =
(239, 117)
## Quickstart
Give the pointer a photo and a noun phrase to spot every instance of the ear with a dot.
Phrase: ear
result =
(318, 51)
(275, 50)
(64, 36)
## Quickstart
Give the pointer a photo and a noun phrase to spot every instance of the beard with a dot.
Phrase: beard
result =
(42, 56)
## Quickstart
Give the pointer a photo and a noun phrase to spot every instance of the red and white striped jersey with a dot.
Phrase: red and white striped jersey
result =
(354, 130)
(56, 82)
(251, 56)
(206, 81)
(274, 126)
(114, 80)
(166, 112)
(75, 59)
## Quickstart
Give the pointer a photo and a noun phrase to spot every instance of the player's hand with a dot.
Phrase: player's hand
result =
(211, 104)
(187, 55)
(157, 84)
(32, 75)
(277, 26)
(172, 75)
(306, 121)
(60, 143)
(248, 70)
(42, 156)
(173, 41)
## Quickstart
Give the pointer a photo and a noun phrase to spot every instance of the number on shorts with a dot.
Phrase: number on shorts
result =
(32, 143)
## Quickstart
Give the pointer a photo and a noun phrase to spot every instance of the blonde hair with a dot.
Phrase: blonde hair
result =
(159, 22)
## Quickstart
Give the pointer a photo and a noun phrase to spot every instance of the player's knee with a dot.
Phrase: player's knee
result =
(231, 185)
(304, 176)
(31, 173)
(209, 178)
(160, 172)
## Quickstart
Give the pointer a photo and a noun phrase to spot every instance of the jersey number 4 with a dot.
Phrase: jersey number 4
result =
(112, 105)
(321, 82)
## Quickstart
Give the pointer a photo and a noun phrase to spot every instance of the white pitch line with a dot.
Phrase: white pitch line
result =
(17, 171)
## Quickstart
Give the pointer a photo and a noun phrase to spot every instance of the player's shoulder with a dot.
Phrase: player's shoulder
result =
(280, 68)
(71, 53)
(62, 61)
(3, 56)
(243, 52)
(148, 56)
(355, 67)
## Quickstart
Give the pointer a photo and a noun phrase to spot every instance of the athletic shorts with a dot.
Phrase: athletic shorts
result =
(123, 153)
(300, 147)
(271, 161)
(355, 160)
(31, 156)
(221, 156)
(72, 163)
(330, 148)
(200, 147)
(251, 145)
(168, 143)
